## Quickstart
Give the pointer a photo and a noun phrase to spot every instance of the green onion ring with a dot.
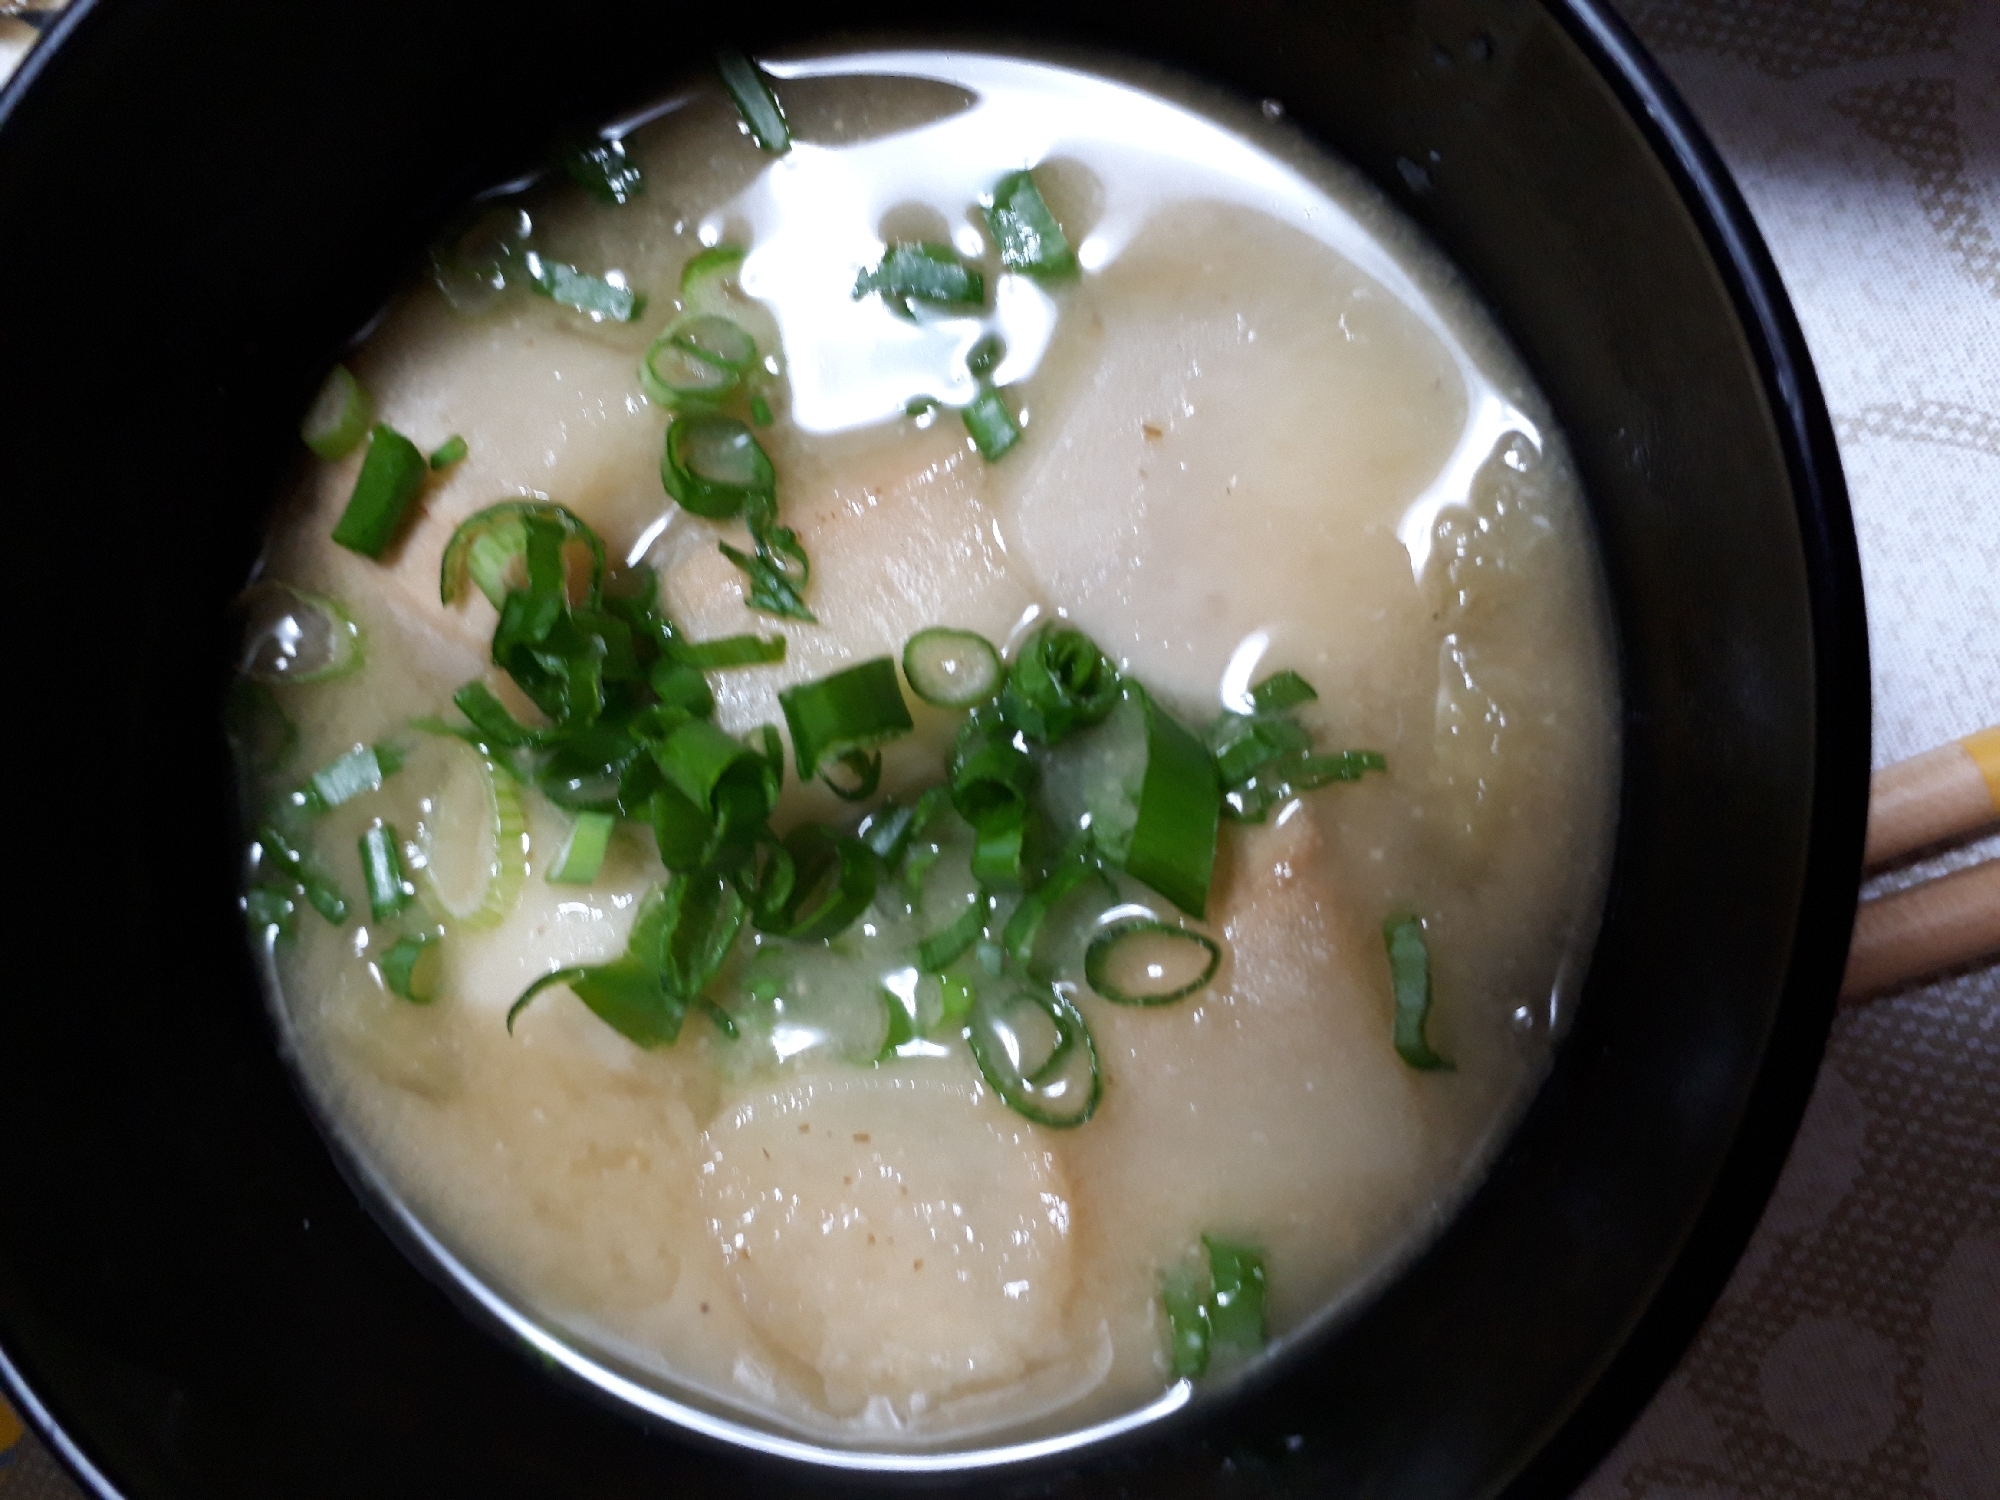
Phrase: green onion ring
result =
(1103, 957)
(1051, 1093)
(951, 668)
(714, 466)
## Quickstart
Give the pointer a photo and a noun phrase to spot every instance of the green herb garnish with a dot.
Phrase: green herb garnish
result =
(447, 453)
(1410, 972)
(759, 107)
(602, 169)
(339, 417)
(1143, 962)
(920, 271)
(1028, 235)
(843, 718)
(392, 475)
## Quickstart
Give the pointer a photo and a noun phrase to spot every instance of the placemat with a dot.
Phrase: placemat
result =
(1856, 1352)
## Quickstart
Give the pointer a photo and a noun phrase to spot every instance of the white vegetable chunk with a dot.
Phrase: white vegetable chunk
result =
(901, 1235)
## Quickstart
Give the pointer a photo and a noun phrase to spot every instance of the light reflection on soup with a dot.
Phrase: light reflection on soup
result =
(923, 1182)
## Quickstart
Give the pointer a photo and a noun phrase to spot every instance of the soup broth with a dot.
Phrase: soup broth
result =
(880, 1163)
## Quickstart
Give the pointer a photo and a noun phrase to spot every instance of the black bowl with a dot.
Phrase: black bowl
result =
(202, 199)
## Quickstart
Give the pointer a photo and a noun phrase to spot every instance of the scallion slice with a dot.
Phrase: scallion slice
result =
(471, 848)
(922, 272)
(853, 710)
(951, 668)
(698, 361)
(990, 423)
(1410, 971)
(754, 101)
(269, 911)
(991, 775)
(778, 571)
(813, 885)
(729, 651)
(1280, 691)
(598, 297)
(410, 967)
(392, 474)
(486, 546)
(1073, 867)
(714, 466)
(706, 278)
(1185, 1295)
(1028, 235)
(382, 873)
(583, 856)
(602, 169)
(289, 861)
(1034, 1051)
(1143, 962)
(362, 769)
(1236, 1305)
(952, 942)
(339, 417)
(292, 636)
(1172, 847)
(447, 453)
(1059, 682)
(985, 356)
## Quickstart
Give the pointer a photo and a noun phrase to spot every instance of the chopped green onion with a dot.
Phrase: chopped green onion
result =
(292, 636)
(1281, 777)
(856, 709)
(1143, 962)
(717, 795)
(949, 944)
(1410, 971)
(1236, 1308)
(583, 856)
(362, 769)
(902, 1026)
(951, 668)
(1059, 682)
(891, 827)
(1172, 847)
(597, 296)
(474, 843)
(410, 967)
(491, 720)
(486, 545)
(1063, 1088)
(922, 272)
(760, 411)
(702, 915)
(1074, 866)
(699, 360)
(1029, 237)
(759, 107)
(339, 417)
(814, 884)
(985, 355)
(779, 570)
(392, 473)
(382, 873)
(918, 406)
(1280, 691)
(602, 169)
(321, 893)
(990, 424)
(730, 651)
(714, 466)
(1185, 1295)
(447, 453)
(991, 775)
(708, 273)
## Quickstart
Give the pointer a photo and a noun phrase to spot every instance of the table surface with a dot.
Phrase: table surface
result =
(1856, 1352)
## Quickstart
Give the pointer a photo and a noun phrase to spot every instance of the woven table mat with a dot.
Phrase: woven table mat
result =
(1856, 1352)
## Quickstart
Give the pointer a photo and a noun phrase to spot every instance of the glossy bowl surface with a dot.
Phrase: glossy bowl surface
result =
(203, 199)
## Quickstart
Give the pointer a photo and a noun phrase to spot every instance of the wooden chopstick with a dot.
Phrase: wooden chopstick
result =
(1949, 793)
(1946, 793)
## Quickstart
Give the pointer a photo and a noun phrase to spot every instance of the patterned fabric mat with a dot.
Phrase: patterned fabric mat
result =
(1856, 1352)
